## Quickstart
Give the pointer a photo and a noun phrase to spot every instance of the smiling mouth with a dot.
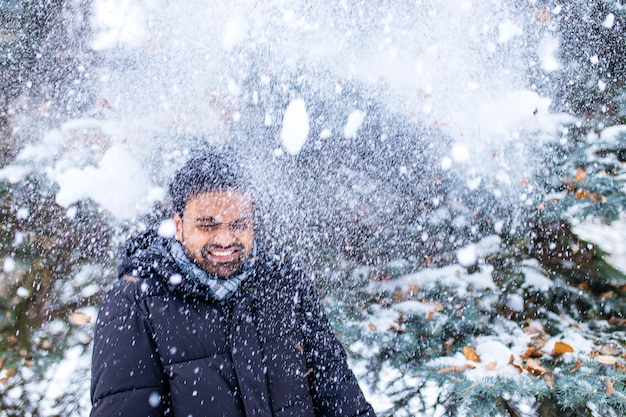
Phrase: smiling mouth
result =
(222, 254)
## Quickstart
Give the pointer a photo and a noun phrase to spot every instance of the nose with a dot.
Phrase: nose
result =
(224, 235)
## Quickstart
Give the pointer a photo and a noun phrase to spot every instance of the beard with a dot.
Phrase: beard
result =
(222, 261)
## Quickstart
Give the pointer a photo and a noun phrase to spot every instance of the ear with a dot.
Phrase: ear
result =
(178, 221)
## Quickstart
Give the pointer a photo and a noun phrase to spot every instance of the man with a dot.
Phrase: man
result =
(207, 324)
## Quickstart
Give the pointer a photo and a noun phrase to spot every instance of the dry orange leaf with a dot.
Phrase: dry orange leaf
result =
(606, 360)
(561, 348)
(448, 344)
(542, 16)
(104, 103)
(515, 363)
(491, 366)
(532, 352)
(456, 369)
(371, 326)
(534, 367)
(530, 330)
(581, 174)
(576, 366)
(398, 296)
(610, 391)
(470, 354)
(80, 318)
(7, 375)
(609, 349)
(607, 294)
(581, 194)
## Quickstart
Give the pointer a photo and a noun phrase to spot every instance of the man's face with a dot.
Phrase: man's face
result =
(217, 230)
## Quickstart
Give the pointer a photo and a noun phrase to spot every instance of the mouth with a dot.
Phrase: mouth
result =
(219, 255)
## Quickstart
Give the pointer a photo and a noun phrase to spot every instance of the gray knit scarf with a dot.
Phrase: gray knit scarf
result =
(221, 289)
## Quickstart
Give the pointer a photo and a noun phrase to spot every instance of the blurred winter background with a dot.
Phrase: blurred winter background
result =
(450, 173)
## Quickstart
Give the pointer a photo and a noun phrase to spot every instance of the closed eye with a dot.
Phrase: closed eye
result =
(208, 227)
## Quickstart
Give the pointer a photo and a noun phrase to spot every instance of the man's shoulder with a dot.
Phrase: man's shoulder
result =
(141, 272)
(280, 273)
(128, 291)
(146, 255)
(277, 261)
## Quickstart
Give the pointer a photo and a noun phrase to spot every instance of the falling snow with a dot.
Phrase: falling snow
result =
(455, 66)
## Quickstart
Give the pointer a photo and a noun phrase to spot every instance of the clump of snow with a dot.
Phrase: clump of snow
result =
(454, 276)
(116, 24)
(22, 292)
(234, 33)
(47, 149)
(609, 21)
(508, 30)
(460, 153)
(515, 302)
(353, 124)
(295, 129)
(167, 228)
(14, 173)
(63, 374)
(548, 53)
(491, 350)
(609, 236)
(119, 183)
(22, 213)
(494, 357)
(446, 163)
(176, 279)
(468, 255)
(71, 212)
(533, 276)
(154, 400)
(325, 134)
(611, 135)
(8, 265)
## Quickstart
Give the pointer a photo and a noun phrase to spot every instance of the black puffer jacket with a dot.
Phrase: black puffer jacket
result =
(165, 348)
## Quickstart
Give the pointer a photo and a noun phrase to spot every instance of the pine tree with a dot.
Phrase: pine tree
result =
(51, 257)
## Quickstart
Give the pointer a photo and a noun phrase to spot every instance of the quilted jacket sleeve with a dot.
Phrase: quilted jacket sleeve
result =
(127, 377)
(334, 387)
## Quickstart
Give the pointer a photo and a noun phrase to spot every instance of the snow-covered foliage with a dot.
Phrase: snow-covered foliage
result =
(444, 170)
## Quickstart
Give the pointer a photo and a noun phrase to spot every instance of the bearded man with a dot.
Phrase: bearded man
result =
(207, 324)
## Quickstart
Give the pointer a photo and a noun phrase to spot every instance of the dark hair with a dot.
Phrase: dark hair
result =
(207, 172)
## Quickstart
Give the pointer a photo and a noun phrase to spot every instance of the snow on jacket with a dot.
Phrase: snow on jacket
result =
(164, 347)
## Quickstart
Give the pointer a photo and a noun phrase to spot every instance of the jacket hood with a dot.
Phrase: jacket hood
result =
(148, 256)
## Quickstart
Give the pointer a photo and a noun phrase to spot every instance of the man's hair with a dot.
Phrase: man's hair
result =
(205, 173)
